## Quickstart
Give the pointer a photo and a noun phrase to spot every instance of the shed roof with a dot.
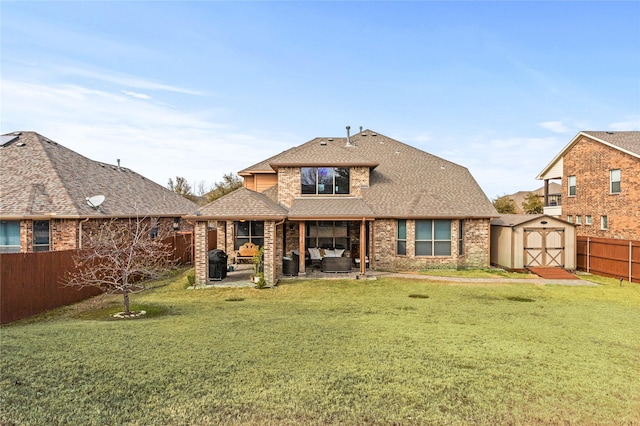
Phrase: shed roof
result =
(41, 178)
(520, 219)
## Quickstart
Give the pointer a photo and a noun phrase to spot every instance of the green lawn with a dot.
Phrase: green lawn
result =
(392, 351)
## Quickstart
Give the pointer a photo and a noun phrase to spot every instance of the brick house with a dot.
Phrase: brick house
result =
(365, 196)
(600, 178)
(46, 192)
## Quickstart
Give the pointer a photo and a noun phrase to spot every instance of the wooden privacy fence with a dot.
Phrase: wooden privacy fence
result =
(30, 284)
(609, 257)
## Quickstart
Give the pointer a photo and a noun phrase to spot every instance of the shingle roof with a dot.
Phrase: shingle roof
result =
(514, 219)
(330, 208)
(405, 182)
(519, 219)
(39, 177)
(242, 204)
(626, 141)
(411, 183)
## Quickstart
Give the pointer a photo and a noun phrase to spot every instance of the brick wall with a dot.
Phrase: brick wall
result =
(591, 163)
(476, 247)
(64, 234)
(289, 184)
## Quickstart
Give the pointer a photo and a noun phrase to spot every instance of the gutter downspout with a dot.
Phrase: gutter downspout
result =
(80, 232)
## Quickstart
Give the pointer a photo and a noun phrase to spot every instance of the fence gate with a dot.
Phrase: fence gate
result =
(543, 247)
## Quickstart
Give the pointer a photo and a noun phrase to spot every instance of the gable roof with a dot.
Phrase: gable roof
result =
(242, 204)
(627, 142)
(41, 178)
(405, 182)
(519, 219)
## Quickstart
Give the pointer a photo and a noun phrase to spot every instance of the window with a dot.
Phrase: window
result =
(402, 237)
(154, 228)
(249, 231)
(570, 219)
(460, 237)
(614, 187)
(588, 220)
(40, 235)
(324, 180)
(604, 222)
(328, 234)
(571, 183)
(9, 236)
(578, 220)
(433, 237)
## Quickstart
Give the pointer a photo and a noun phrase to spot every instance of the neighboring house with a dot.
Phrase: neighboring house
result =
(600, 177)
(365, 196)
(554, 196)
(46, 191)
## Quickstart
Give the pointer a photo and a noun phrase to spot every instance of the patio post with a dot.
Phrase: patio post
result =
(363, 244)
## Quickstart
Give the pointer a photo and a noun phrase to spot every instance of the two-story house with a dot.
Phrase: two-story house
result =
(366, 196)
(600, 177)
(50, 196)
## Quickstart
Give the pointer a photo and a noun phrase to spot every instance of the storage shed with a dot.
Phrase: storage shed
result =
(520, 241)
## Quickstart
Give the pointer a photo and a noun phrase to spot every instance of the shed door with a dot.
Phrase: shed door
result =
(544, 247)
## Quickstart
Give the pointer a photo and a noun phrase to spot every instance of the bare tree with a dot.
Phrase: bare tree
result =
(120, 256)
(182, 187)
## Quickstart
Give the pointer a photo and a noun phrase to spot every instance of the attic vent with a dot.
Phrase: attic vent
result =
(20, 144)
(609, 133)
(323, 143)
(374, 134)
(101, 165)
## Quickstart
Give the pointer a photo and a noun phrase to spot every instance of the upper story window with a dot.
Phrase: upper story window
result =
(325, 180)
(9, 236)
(40, 235)
(571, 183)
(604, 222)
(614, 187)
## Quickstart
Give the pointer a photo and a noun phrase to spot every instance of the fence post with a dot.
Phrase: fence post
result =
(588, 254)
(630, 259)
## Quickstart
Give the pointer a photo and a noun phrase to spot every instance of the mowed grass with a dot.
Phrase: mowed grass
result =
(392, 351)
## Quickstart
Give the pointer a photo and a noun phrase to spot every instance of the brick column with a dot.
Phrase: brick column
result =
(269, 252)
(201, 262)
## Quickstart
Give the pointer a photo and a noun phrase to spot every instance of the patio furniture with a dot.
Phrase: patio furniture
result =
(247, 251)
(336, 264)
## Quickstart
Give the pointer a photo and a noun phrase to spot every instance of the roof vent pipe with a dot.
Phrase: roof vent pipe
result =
(349, 136)
(360, 129)
(118, 164)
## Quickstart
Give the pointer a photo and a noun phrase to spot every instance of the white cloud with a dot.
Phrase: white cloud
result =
(633, 123)
(505, 165)
(136, 95)
(152, 139)
(555, 126)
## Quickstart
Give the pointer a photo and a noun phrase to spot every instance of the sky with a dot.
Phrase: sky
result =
(204, 88)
